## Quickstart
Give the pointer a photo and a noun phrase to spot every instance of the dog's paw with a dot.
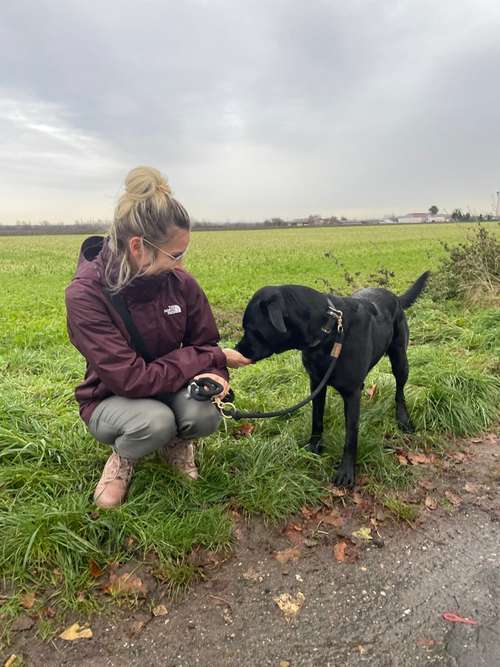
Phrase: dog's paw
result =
(314, 446)
(345, 476)
(406, 426)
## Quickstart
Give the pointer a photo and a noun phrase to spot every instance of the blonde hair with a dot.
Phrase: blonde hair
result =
(147, 209)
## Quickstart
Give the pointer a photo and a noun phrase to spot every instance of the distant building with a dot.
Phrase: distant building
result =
(439, 217)
(423, 217)
(414, 217)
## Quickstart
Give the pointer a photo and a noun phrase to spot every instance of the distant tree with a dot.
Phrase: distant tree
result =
(433, 210)
(457, 214)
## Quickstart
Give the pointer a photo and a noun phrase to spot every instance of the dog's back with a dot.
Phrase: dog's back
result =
(381, 301)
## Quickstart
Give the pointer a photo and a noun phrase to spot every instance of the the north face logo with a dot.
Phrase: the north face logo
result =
(172, 310)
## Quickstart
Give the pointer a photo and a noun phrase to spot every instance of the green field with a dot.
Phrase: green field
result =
(49, 464)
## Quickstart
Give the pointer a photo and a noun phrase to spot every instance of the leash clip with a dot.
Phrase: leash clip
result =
(222, 405)
(333, 313)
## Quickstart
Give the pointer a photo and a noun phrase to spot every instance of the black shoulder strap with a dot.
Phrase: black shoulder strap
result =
(118, 303)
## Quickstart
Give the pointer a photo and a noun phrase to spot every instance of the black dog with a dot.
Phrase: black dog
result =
(290, 317)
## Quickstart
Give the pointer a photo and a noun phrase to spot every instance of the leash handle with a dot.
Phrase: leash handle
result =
(204, 389)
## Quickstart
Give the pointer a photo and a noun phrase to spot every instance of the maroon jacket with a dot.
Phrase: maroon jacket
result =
(172, 315)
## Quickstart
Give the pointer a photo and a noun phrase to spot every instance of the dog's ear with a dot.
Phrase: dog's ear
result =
(275, 309)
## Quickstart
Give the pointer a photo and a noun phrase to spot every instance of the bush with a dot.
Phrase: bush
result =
(470, 270)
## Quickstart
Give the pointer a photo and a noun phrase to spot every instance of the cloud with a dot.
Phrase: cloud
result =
(268, 108)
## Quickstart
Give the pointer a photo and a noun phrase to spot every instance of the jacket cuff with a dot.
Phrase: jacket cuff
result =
(219, 358)
(219, 364)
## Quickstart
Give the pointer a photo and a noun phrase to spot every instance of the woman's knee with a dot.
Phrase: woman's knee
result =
(152, 429)
(199, 421)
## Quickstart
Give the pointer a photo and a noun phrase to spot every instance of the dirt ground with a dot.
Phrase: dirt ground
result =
(342, 584)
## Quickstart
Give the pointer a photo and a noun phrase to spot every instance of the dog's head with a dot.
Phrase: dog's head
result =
(280, 318)
(265, 325)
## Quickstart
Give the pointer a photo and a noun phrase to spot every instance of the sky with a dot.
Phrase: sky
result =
(269, 108)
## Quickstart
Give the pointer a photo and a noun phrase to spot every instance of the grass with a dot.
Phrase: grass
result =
(49, 464)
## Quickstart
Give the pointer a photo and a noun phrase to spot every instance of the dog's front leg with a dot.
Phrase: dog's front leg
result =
(318, 410)
(346, 473)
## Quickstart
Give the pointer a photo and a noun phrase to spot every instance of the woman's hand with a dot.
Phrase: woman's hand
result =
(235, 359)
(216, 378)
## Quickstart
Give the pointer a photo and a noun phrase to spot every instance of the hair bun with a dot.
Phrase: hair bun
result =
(144, 182)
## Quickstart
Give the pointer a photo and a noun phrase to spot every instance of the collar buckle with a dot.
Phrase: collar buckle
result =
(334, 315)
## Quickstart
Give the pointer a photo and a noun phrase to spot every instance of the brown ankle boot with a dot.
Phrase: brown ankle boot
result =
(112, 488)
(180, 455)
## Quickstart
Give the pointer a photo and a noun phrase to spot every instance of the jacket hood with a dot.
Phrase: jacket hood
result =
(92, 260)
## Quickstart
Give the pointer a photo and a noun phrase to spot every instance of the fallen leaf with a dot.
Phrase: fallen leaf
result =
(427, 484)
(27, 600)
(284, 663)
(357, 498)
(295, 526)
(371, 391)
(363, 534)
(417, 457)
(339, 493)
(458, 456)
(14, 660)
(339, 551)
(76, 631)
(159, 610)
(293, 553)
(455, 618)
(453, 498)
(290, 605)
(430, 503)
(476, 441)
(125, 583)
(293, 532)
(48, 612)
(362, 650)
(309, 512)
(426, 643)
(244, 430)
(331, 518)
(95, 570)
(402, 459)
(471, 488)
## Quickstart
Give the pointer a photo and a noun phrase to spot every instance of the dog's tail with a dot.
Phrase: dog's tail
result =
(412, 294)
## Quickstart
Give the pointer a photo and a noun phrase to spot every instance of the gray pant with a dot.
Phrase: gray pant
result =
(136, 427)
